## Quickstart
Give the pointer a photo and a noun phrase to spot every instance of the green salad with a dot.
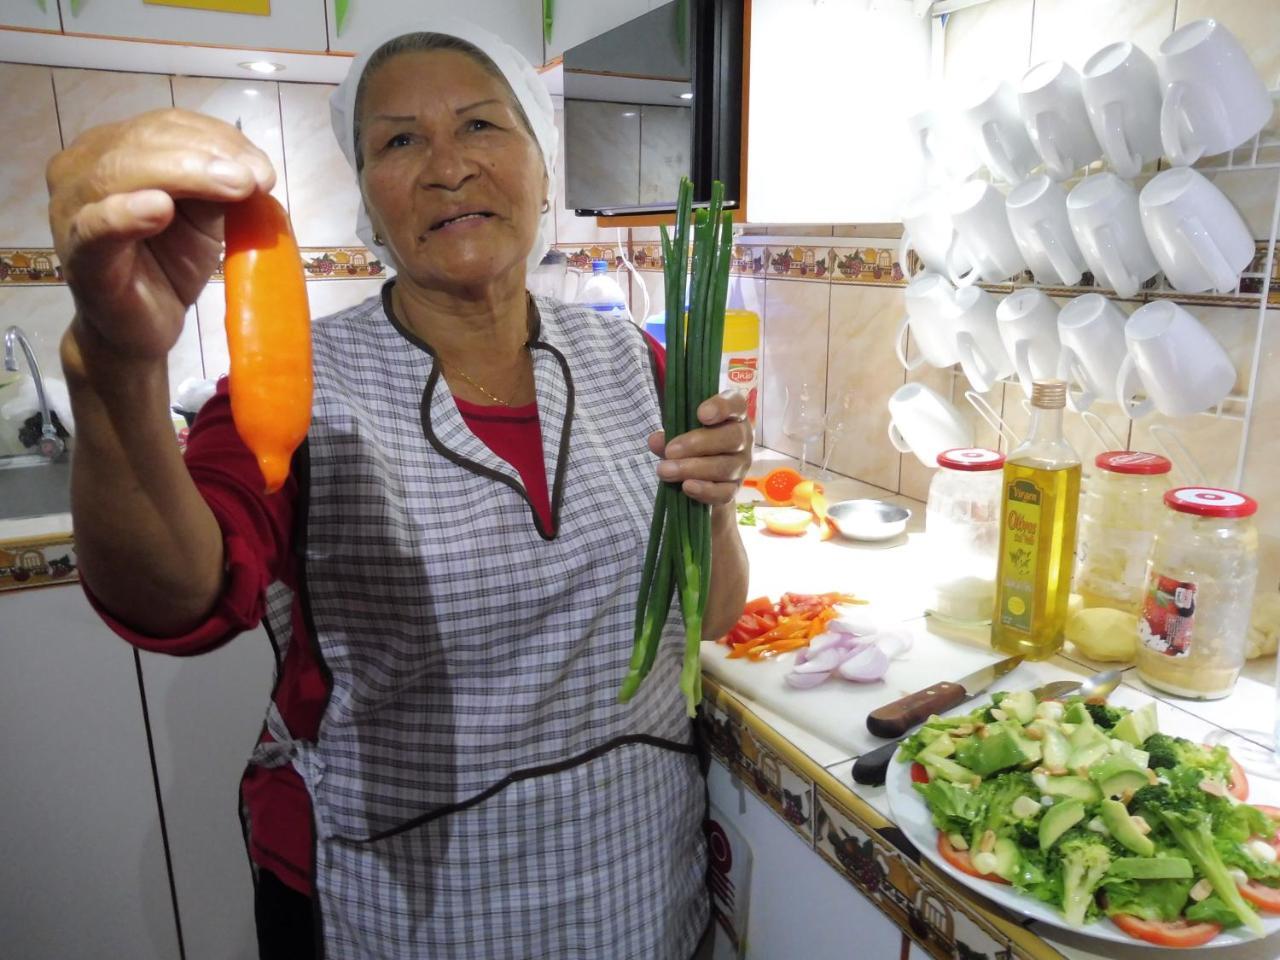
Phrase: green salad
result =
(1090, 808)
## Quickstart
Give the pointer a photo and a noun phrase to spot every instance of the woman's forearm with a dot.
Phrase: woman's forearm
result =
(729, 573)
(146, 542)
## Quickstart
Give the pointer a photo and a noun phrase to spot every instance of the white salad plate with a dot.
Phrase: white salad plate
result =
(913, 818)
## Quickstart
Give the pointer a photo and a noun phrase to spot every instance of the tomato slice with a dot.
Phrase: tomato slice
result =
(1167, 933)
(1261, 896)
(1238, 785)
(918, 773)
(960, 860)
(758, 605)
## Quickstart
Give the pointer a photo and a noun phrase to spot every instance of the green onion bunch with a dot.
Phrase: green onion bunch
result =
(678, 556)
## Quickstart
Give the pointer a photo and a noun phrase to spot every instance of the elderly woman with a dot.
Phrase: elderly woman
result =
(449, 575)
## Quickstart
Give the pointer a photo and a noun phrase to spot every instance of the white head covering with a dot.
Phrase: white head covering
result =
(525, 83)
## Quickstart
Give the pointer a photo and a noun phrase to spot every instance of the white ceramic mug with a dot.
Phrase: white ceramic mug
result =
(1103, 210)
(1028, 324)
(927, 229)
(930, 302)
(978, 215)
(1122, 96)
(982, 353)
(1214, 99)
(1200, 240)
(1052, 108)
(922, 422)
(1037, 211)
(944, 150)
(990, 114)
(1091, 334)
(1183, 368)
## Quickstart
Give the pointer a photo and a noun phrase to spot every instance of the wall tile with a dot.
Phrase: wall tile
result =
(1213, 443)
(788, 230)
(1254, 194)
(255, 103)
(1073, 30)
(323, 195)
(795, 352)
(861, 374)
(32, 121)
(1262, 459)
(991, 40)
(89, 98)
(1255, 22)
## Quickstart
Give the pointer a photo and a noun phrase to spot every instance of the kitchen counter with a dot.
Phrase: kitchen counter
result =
(799, 762)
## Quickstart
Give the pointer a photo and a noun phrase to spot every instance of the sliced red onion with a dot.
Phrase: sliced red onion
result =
(803, 681)
(865, 666)
(824, 661)
(830, 639)
(894, 643)
(859, 621)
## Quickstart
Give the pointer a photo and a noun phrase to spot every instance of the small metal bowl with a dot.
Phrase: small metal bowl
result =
(869, 519)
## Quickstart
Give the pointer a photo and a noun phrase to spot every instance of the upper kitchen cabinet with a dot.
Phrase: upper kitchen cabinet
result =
(33, 14)
(283, 24)
(577, 21)
(831, 86)
(519, 22)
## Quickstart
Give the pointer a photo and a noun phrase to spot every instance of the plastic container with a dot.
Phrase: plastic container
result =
(962, 528)
(1199, 591)
(602, 294)
(740, 359)
(1120, 508)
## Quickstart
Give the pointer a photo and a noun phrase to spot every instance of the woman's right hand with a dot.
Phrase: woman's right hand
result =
(136, 212)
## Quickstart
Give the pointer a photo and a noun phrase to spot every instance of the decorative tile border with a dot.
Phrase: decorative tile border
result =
(581, 255)
(877, 266)
(769, 774)
(861, 844)
(29, 266)
(801, 262)
(37, 562)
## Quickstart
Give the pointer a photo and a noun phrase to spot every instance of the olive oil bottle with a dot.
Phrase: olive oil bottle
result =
(1037, 532)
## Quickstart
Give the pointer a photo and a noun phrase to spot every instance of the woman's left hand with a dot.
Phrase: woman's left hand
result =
(712, 461)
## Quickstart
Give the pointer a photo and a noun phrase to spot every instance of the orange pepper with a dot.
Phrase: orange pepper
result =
(268, 334)
(780, 646)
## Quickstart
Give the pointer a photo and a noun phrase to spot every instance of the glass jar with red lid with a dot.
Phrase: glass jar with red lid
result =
(1199, 590)
(962, 529)
(1120, 509)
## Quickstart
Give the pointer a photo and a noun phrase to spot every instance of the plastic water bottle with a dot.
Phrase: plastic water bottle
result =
(602, 294)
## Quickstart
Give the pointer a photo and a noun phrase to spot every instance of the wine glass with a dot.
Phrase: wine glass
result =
(802, 418)
(839, 419)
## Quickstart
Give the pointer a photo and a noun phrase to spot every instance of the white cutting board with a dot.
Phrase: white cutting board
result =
(836, 711)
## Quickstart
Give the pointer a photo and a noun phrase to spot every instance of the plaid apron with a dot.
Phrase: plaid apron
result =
(478, 791)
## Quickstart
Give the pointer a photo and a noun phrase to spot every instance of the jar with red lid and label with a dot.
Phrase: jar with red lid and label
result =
(962, 528)
(1199, 589)
(1120, 508)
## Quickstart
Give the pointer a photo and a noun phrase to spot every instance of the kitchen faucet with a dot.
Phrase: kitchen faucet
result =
(51, 445)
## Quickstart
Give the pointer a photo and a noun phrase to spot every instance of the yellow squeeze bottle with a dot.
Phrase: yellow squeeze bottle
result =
(1037, 532)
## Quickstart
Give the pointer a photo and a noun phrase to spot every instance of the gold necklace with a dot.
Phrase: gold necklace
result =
(498, 400)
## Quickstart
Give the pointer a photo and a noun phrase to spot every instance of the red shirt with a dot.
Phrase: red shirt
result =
(257, 533)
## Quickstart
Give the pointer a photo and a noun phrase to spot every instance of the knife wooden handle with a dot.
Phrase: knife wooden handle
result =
(895, 719)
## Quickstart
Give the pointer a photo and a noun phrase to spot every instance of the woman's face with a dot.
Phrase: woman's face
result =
(452, 180)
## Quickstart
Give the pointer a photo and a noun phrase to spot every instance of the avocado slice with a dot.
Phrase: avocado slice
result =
(1115, 817)
(1114, 764)
(1021, 705)
(1117, 784)
(1055, 748)
(1151, 868)
(1076, 713)
(1008, 859)
(1088, 755)
(1004, 747)
(1058, 819)
(947, 769)
(1075, 788)
(942, 746)
(1135, 727)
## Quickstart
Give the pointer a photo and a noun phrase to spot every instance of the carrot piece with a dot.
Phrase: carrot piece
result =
(268, 334)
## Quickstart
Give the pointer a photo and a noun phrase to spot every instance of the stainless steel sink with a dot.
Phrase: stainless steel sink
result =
(31, 486)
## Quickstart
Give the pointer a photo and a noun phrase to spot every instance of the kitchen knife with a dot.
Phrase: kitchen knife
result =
(895, 719)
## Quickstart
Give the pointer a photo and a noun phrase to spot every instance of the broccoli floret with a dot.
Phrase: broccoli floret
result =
(1167, 753)
(998, 795)
(1104, 716)
(1187, 813)
(1085, 859)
